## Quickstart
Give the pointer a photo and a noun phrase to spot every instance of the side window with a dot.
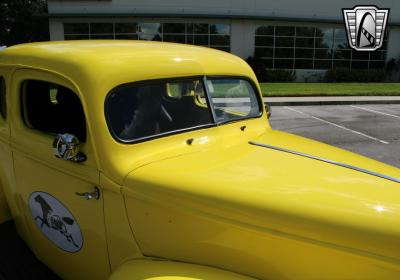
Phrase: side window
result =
(52, 109)
(3, 104)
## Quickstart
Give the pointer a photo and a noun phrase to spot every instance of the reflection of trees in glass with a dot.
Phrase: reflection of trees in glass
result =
(150, 31)
(323, 53)
(327, 47)
(76, 28)
(220, 40)
(342, 54)
(101, 28)
(284, 41)
(200, 28)
(284, 52)
(174, 38)
(324, 32)
(284, 30)
(305, 31)
(304, 53)
(265, 30)
(341, 43)
(324, 38)
(222, 29)
(173, 28)
(150, 28)
(305, 43)
(340, 33)
(150, 37)
(125, 27)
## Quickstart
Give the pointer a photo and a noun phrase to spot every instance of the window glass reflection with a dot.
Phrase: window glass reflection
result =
(284, 63)
(308, 47)
(101, 28)
(322, 64)
(304, 53)
(323, 42)
(175, 38)
(222, 29)
(200, 28)
(324, 32)
(264, 52)
(125, 27)
(76, 28)
(265, 30)
(341, 63)
(305, 31)
(149, 37)
(304, 42)
(284, 41)
(284, 52)
(265, 41)
(341, 43)
(284, 31)
(340, 33)
(303, 64)
(174, 28)
(323, 53)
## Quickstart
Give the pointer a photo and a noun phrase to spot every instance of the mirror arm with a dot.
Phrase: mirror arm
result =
(80, 157)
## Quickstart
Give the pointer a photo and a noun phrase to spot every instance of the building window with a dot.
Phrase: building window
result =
(298, 47)
(203, 34)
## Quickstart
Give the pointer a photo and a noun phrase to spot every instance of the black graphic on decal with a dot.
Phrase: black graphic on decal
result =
(54, 221)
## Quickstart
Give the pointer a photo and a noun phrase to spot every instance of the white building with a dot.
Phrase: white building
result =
(307, 35)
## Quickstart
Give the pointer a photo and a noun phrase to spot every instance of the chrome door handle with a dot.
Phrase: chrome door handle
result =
(95, 194)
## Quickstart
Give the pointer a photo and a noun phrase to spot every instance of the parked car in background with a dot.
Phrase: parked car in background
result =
(146, 160)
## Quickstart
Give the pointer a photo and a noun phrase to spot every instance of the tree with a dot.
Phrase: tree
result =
(20, 21)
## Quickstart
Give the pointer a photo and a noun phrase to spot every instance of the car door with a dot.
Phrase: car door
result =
(67, 229)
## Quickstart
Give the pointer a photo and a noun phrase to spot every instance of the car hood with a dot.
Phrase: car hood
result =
(276, 191)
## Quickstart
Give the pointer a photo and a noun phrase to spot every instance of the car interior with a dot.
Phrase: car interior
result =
(52, 109)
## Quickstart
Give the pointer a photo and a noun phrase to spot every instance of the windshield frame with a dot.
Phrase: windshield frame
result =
(207, 96)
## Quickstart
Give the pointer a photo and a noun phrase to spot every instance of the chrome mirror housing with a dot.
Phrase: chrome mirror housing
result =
(268, 110)
(66, 147)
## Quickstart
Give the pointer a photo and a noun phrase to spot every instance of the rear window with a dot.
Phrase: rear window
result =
(150, 109)
(143, 110)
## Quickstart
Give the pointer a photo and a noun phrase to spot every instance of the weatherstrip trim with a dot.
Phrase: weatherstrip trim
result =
(397, 180)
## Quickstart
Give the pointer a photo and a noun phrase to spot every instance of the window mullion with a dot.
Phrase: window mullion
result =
(209, 100)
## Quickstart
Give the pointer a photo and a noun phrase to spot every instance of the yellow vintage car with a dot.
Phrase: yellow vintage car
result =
(143, 160)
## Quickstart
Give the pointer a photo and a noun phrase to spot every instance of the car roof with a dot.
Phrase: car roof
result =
(115, 62)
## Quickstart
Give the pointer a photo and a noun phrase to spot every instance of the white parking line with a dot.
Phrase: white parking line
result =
(339, 126)
(376, 112)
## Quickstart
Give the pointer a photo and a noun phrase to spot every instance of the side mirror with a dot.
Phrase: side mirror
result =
(268, 109)
(66, 147)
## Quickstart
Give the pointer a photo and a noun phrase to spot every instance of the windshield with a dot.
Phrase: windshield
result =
(153, 108)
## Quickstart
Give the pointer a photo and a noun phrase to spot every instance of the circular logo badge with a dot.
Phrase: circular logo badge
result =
(55, 221)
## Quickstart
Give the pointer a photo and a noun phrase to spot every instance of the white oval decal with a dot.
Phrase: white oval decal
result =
(55, 221)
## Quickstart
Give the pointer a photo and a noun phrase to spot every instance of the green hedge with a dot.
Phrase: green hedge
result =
(264, 75)
(280, 76)
(347, 76)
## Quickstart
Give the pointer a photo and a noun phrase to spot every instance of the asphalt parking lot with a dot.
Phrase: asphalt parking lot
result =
(371, 130)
